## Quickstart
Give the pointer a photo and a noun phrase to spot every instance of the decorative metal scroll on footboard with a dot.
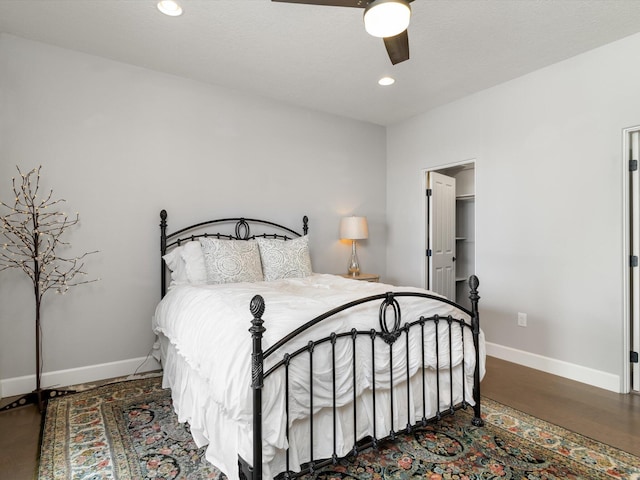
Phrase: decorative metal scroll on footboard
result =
(391, 330)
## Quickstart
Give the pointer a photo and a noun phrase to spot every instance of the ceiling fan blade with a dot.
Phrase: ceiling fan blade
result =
(330, 3)
(398, 47)
(333, 3)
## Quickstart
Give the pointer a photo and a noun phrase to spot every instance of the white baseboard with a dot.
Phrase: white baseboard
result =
(590, 376)
(63, 378)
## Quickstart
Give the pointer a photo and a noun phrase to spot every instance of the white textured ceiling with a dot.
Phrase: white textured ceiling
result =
(320, 57)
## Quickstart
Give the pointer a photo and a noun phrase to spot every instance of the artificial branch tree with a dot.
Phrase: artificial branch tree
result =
(32, 234)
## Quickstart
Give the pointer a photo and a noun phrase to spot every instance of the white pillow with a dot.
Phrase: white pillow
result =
(229, 261)
(285, 258)
(194, 263)
(177, 267)
(186, 263)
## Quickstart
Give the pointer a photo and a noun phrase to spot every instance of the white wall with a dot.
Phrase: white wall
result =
(120, 143)
(549, 205)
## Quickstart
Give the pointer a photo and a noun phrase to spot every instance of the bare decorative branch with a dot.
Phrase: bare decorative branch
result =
(32, 232)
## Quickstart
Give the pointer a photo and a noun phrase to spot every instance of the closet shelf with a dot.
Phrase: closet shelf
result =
(466, 196)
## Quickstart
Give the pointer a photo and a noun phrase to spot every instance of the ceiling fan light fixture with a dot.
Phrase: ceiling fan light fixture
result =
(170, 7)
(387, 18)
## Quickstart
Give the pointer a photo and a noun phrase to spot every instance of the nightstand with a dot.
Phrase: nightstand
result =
(365, 277)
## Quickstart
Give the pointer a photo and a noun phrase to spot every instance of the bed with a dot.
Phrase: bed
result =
(282, 371)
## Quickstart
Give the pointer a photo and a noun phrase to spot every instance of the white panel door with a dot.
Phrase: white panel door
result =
(635, 250)
(441, 241)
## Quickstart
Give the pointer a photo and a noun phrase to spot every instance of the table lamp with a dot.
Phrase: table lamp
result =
(354, 228)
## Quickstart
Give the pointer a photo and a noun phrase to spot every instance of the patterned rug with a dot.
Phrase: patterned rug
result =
(128, 430)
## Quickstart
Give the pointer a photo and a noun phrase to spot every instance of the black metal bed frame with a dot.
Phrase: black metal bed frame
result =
(390, 331)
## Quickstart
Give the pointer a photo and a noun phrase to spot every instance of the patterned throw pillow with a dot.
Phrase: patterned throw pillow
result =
(285, 258)
(230, 261)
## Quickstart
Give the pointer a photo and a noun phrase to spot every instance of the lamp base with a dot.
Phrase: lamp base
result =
(354, 267)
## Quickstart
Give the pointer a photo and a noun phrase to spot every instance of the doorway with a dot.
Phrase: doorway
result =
(450, 230)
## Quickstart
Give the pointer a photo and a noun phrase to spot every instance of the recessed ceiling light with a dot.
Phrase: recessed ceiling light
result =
(386, 81)
(170, 7)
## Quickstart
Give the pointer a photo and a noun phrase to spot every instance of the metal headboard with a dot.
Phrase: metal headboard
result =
(241, 231)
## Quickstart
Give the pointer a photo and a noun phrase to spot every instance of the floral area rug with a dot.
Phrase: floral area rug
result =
(128, 430)
(121, 431)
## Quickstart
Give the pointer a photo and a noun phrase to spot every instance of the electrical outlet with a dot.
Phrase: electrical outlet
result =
(522, 319)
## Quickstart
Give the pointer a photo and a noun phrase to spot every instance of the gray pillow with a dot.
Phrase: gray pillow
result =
(285, 258)
(230, 261)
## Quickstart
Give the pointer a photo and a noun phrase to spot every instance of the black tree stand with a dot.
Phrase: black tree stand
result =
(40, 395)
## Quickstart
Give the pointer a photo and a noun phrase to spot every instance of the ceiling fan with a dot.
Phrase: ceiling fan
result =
(387, 19)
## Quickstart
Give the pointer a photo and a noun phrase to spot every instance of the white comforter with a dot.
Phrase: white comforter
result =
(206, 328)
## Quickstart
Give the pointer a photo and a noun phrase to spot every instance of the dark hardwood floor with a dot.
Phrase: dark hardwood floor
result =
(608, 417)
(19, 440)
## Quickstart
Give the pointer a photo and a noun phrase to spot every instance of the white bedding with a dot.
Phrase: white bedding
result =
(206, 349)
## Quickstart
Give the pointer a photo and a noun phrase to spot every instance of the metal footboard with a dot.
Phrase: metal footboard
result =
(391, 330)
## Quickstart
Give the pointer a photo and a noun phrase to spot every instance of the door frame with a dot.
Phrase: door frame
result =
(626, 384)
(425, 225)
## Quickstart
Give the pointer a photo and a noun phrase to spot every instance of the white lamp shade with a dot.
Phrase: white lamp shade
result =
(354, 228)
(387, 18)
